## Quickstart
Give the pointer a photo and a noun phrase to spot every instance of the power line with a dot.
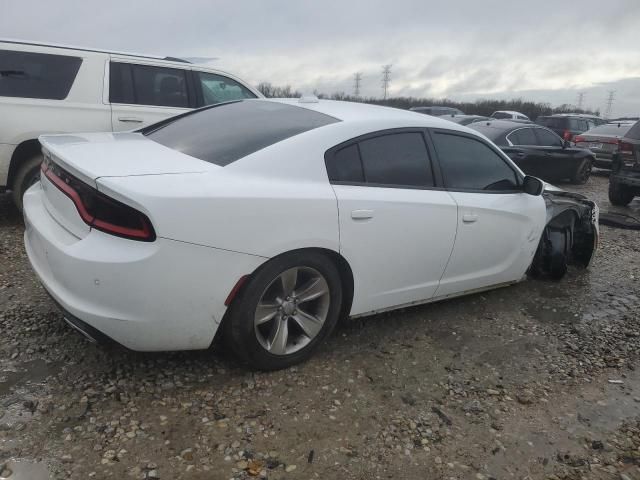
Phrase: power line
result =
(386, 80)
(610, 98)
(580, 100)
(357, 79)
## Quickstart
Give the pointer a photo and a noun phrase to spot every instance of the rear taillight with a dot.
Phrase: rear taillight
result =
(98, 210)
(625, 148)
(579, 138)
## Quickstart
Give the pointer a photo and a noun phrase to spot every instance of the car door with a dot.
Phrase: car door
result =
(397, 228)
(142, 94)
(499, 226)
(524, 151)
(559, 160)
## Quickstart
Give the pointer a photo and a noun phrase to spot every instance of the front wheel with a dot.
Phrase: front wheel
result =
(583, 172)
(288, 307)
(27, 175)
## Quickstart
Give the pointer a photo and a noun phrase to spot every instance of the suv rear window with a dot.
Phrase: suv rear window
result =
(37, 75)
(551, 122)
(634, 132)
(229, 131)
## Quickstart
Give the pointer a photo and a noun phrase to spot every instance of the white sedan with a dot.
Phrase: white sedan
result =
(271, 219)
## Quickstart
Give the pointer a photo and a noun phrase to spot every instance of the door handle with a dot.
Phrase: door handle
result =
(361, 214)
(469, 217)
(130, 119)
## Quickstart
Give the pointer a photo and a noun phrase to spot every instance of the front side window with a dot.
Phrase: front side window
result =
(218, 89)
(547, 138)
(468, 164)
(37, 75)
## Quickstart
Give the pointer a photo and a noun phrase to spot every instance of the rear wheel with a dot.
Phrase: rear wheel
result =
(583, 173)
(620, 195)
(27, 175)
(288, 307)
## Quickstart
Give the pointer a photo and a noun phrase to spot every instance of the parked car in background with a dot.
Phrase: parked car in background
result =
(508, 115)
(566, 126)
(624, 181)
(539, 151)
(271, 219)
(58, 89)
(603, 141)
(437, 111)
(466, 119)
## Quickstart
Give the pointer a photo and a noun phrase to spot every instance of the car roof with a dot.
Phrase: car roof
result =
(512, 112)
(87, 49)
(365, 112)
(502, 126)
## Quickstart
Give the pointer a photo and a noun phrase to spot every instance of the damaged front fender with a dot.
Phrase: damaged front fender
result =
(571, 234)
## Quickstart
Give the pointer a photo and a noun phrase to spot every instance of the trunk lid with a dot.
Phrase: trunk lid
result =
(93, 155)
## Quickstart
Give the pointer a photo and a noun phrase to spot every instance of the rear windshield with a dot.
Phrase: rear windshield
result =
(37, 75)
(610, 129)
(551, 122)
(634, 132)
(227, 132)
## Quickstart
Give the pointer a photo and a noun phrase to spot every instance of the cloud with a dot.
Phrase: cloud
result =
(455, 49)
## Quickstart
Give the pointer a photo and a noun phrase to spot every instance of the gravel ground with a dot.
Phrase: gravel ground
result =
(537, 380)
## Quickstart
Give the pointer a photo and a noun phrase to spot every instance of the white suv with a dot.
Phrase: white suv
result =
(57, 89)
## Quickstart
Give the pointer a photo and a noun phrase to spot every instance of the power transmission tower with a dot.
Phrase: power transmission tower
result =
(386, 80)
(610, 99)
(357, 78)
(580, 100)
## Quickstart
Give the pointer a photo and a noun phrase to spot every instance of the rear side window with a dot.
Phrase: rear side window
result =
(524, 136)
(393, 159)
(148, 85)
(345, 166)
(468, 164)
(37, 75)
(227, 132)
(634, 132)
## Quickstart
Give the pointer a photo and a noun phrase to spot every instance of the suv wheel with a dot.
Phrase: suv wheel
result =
(620, 194)
(583, 173)
(288, 307)
(27, 175)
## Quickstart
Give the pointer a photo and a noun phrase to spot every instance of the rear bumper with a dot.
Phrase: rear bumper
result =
(626, 178)
(163, 295)
(603, 160)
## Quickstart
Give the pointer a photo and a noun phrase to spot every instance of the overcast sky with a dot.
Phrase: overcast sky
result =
(541, 50)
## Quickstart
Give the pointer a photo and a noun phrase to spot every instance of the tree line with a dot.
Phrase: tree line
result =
(480, 107)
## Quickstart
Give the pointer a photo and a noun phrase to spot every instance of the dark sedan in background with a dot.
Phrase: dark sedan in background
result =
(538, 151)
(466, 119)
(603, 140)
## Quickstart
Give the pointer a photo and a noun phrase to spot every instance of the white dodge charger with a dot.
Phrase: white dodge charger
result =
(271, 219)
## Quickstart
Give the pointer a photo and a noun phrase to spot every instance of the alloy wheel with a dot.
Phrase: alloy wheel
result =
(292, 310)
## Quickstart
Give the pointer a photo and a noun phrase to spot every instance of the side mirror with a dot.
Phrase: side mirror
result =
(532, 185)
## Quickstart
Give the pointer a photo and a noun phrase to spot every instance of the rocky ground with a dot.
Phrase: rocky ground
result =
(538, 380)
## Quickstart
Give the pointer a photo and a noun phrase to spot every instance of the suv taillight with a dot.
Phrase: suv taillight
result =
(625, 148)
(98, 210)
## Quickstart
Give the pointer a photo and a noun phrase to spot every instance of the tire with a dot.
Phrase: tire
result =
(28, 174)
(276, 335)
(620, 195)
(583, 172)
(559, 240)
